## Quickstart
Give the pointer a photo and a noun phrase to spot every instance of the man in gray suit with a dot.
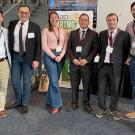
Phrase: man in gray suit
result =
(5, 61)
(114, 49)
(82, 48)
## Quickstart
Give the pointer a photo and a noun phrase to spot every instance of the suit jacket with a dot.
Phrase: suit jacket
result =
(5, 34)
(89, 45)
(121, 48)
(33, 45)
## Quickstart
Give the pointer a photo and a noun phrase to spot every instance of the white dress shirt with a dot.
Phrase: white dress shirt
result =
(2, 46)
(107, 57)
(24, 35)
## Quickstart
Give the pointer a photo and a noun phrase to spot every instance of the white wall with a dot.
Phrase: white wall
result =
(120, 7)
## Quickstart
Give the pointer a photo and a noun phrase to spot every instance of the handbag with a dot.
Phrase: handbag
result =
(43, 82)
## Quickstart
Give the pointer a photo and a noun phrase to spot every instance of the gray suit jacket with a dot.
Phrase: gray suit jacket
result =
(5, 33)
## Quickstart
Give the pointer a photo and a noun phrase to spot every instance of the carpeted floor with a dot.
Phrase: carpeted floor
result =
(40, 122)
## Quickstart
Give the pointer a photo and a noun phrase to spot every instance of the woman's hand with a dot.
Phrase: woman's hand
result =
(58, 58)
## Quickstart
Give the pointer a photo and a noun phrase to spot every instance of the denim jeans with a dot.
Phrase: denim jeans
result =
(132, 75)
(54, 70)
(21, 69)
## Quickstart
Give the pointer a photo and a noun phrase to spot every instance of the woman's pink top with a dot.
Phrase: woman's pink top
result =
(49, 41)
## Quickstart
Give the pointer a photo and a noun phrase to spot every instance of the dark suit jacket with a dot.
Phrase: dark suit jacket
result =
(89, 45)
(33, 45)
(121, 48)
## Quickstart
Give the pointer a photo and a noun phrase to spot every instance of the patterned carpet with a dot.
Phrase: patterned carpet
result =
(40, 122)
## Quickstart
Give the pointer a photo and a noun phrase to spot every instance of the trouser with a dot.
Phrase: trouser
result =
(105, 75)
(4, 74)
(54, 70)
(132, 76)
(76, 74)
(21, 69)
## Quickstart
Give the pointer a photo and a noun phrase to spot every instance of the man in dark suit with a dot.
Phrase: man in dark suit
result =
(25, 48)
(114, 47)
(82, 48)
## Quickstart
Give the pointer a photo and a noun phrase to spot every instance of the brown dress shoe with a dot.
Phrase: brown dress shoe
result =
(130, 115)
(3, 114)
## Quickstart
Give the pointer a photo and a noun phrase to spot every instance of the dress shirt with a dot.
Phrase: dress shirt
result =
(81, 32)
(24, 35)
(2, 46)
(114, 34)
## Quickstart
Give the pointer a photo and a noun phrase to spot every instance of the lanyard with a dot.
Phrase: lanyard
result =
(57, 37)
(113, 38)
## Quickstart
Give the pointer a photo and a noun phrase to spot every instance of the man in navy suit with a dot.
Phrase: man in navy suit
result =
(114, 49)
(25, 48)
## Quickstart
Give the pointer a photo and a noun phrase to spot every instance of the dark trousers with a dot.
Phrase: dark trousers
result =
(76, 74)
(106, 75)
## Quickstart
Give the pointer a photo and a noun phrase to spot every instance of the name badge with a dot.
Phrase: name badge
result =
(96, 59)
(31, 35)
(58, 49)
(109, 49)
(78, 49)
(133, 44)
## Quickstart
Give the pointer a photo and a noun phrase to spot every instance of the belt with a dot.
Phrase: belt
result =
(108, 63)
(2, 59)
(17, 53)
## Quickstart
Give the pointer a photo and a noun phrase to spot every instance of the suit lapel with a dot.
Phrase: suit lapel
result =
(29, 30)
(88, 32)
(106, 38)
(77, 36)
(117, 37)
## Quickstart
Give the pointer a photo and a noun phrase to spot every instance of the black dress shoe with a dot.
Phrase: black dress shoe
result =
(72, 107)
(88, 108)
(23, 109)
(10, 106)
(19, 108)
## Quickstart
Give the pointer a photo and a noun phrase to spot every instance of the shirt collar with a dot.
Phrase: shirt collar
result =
(25, 23)
(114, 31)
(83, 30)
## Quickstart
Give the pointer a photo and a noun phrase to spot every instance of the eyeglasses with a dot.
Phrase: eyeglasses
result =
(26, 13)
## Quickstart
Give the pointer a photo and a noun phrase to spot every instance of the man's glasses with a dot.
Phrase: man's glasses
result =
(26, 13)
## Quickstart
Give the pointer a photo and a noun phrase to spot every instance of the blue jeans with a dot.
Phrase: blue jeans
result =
(132, 75)
(54, 70)
(21, 68)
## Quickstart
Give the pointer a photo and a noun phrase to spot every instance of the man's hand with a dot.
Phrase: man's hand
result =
(127, 62)
(35, 64)
(83, 62)
(76, 62)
